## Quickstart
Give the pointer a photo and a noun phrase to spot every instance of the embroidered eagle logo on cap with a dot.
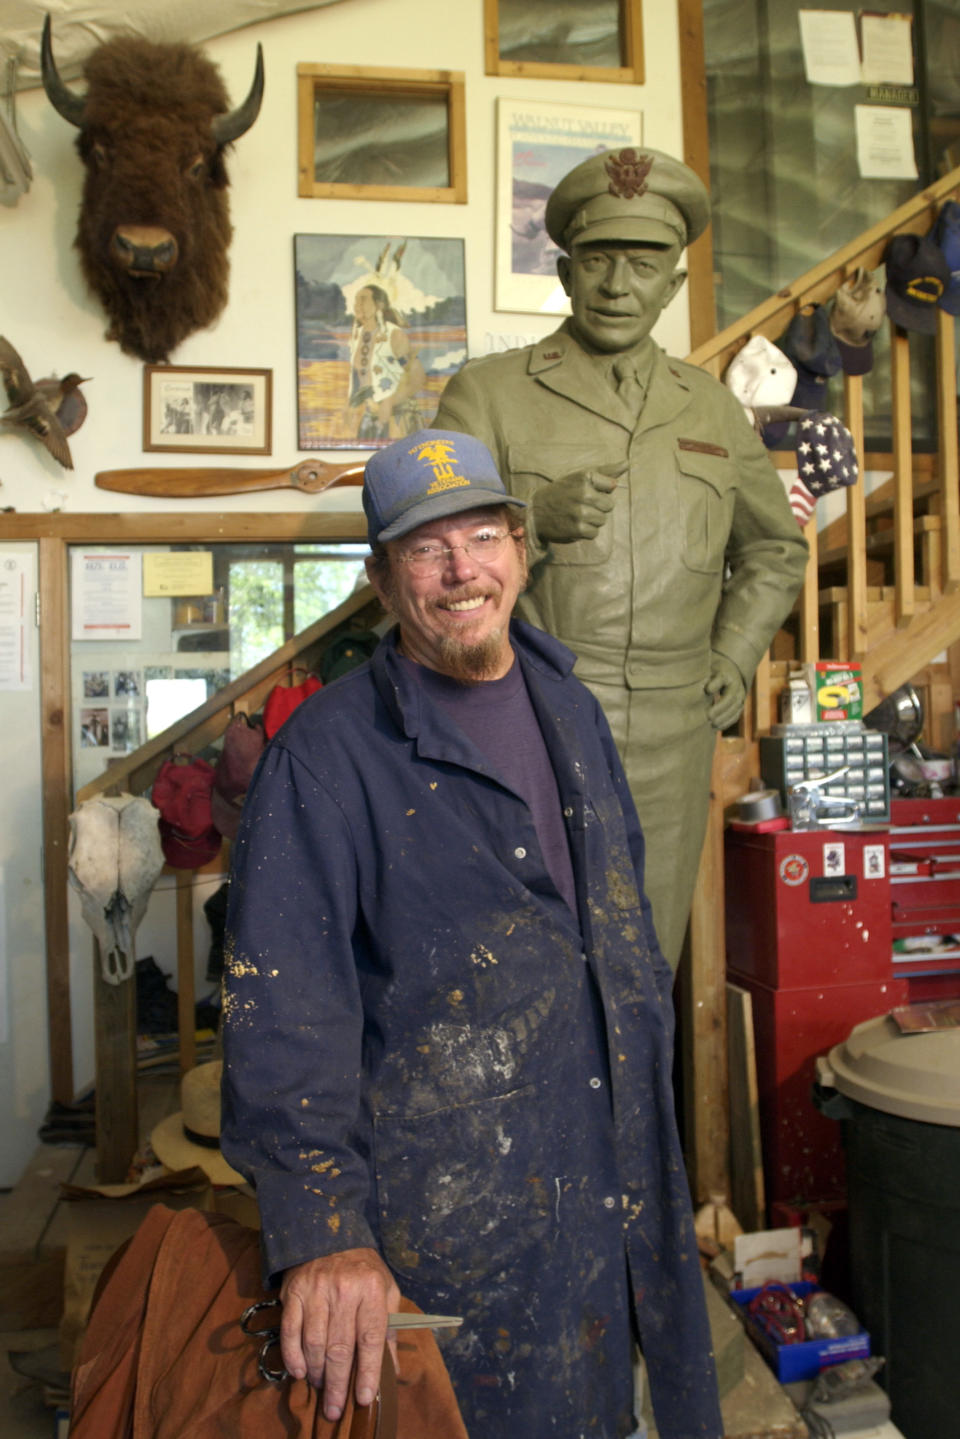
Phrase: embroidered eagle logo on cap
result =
(441, 456)
(628, 173)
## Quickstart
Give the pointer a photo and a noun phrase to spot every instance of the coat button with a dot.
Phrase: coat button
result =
(595, 1083)
(609, 1202)
(519, 852)
(568, 812)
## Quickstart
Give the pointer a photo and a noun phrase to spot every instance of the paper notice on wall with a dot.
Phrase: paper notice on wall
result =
(16, 589)
(887, 49)
(885, 142)
(106, 595)
(178, 572)
(831, 55)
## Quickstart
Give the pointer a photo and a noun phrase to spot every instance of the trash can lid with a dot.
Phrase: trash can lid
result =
(916, 1076)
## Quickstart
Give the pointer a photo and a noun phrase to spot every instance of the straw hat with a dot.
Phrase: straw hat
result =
(192, 1136)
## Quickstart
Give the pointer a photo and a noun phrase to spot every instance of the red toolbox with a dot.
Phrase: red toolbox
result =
(925, 889)
(809, 937)
(808, 907)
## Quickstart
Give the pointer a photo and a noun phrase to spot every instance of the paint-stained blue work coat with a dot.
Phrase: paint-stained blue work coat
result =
(426, 1053)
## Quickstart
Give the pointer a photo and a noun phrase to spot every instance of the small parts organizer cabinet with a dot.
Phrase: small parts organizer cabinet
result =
(809, 936)
(794, 752)
(925, 894)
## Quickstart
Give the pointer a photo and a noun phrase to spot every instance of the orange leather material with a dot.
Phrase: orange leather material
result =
(164, 1355)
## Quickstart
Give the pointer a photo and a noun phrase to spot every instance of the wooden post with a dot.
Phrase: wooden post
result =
(855, 639)
(115, 1029)
(57, 784)
(947, 426)
(696, 153)
(705, 1016)
(186, 998)
(902, 476)
(810, 598)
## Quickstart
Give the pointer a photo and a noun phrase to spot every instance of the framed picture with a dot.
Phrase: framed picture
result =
(537, 144)
(565, 40)
(381, 327)
(380, 134)
(203, 410)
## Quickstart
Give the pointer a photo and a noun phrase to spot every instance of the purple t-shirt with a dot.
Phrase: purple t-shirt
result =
(497, 716)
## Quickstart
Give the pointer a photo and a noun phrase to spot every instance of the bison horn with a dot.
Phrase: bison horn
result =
(61, 97)
(230, 127)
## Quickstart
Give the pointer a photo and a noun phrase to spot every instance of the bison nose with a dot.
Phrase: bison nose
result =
(143, 249)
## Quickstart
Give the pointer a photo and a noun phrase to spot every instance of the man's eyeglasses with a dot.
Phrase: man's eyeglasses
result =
(430, 558)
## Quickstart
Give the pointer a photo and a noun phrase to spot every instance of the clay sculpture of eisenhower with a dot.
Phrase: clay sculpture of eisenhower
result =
(662, 547)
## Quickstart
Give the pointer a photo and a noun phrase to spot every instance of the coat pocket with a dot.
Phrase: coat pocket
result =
(531, 467)
(706, 487)
(460, 1190)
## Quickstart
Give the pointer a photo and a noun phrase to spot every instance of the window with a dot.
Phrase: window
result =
(785, 184)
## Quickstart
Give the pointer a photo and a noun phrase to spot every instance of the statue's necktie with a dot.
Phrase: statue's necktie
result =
(629, 387)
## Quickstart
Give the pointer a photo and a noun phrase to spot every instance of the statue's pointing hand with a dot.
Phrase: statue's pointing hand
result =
(574, 507)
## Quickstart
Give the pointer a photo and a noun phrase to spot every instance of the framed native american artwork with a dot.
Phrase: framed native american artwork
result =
(381, 327)
(565, 39)
(381, 134)
(537, 144)
(205, 410)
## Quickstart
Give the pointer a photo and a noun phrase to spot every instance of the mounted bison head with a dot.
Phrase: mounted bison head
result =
(154, 220)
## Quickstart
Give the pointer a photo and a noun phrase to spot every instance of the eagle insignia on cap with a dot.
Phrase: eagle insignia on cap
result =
(628, 173)
(433, 452)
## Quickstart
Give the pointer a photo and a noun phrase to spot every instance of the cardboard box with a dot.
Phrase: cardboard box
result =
(805, 1360)
(837, 690)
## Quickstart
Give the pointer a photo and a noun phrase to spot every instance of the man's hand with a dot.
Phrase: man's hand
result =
(332, 1307)
(726, 685)
(575, 507)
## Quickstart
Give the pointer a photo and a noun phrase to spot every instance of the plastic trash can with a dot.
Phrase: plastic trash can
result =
(897, 1097)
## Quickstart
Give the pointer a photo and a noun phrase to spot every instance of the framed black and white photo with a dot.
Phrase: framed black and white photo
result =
(204, 410)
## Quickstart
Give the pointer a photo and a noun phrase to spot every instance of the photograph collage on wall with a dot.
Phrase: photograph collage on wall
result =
(381, 327)
(111, 710)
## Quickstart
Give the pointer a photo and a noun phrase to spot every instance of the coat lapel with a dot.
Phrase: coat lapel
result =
(559, 364)
(667, 395)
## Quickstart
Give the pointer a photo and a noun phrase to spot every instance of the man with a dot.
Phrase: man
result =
(447, 1023)
(661, 544)
(385, 373)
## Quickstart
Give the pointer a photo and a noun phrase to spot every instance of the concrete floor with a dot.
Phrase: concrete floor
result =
(33, 1237)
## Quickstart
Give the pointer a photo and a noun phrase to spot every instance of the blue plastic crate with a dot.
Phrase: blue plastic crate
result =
(800, 1361)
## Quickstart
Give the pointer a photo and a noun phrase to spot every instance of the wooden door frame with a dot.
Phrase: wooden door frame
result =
(696, 153)
(54, 534)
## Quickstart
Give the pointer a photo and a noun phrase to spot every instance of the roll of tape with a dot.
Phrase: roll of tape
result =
(758, 805)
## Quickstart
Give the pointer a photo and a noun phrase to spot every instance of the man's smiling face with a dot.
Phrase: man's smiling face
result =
(456, 620)
(617, 290)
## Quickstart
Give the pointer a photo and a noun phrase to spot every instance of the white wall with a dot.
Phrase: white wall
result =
(57, 327)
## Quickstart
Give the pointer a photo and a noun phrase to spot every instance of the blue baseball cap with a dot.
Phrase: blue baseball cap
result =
(946, 234)
(427, 476)
(917, 278)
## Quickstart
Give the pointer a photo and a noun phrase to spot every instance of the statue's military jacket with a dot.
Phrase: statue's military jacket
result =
(701, 550)
(426, 1052)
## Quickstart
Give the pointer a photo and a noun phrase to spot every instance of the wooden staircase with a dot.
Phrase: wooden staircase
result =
(907, 530)
(882, 587)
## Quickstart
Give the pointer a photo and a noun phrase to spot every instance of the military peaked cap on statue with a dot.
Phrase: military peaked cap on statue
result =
(629, 194)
